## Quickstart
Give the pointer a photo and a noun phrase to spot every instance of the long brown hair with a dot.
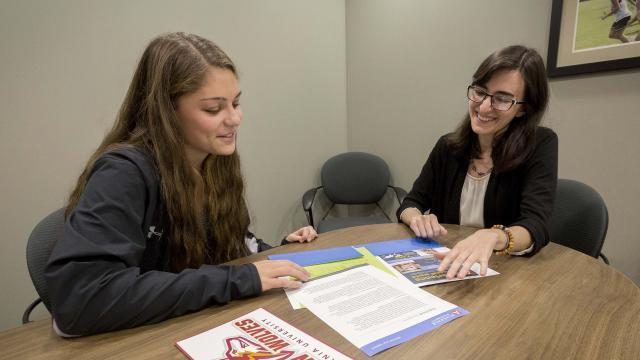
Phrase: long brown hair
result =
(517, 143)
(171, 66)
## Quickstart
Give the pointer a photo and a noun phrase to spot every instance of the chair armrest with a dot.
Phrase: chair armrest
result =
(308, 197)
(27, 312)
(400, 193)
(307, 203)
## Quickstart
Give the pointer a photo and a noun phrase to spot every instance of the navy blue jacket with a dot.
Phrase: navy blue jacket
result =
(110, 270)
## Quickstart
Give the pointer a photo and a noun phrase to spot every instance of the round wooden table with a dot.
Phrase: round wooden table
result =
(558, 304)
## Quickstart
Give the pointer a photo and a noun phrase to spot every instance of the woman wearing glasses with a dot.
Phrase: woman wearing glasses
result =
(496, 171)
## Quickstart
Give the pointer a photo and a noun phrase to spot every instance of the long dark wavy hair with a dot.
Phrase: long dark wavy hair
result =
(517, 142)
(171, 66)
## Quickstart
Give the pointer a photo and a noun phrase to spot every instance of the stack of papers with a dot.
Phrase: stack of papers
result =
(411, 260)
(356, 291)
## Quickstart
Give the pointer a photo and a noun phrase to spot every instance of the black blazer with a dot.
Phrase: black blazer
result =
(523, 196)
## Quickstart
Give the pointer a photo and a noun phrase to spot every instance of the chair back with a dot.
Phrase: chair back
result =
(355, 178)
(580, 218)
(39, 247)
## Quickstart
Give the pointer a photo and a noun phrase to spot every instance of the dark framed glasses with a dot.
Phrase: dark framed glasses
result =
(501, 102)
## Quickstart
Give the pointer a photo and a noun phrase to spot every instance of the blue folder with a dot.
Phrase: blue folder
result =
(395, 246)
(314, 257)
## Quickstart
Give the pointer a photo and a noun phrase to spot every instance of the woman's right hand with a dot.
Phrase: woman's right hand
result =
(423, 225)
(272, 271)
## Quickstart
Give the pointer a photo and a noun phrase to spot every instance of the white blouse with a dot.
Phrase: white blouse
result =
(472, 200)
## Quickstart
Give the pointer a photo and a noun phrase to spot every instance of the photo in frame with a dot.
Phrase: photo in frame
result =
(580, 37)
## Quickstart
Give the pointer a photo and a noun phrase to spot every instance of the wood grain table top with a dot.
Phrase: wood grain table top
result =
(558, 304)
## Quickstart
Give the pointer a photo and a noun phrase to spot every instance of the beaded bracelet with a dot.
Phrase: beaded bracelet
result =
(509, 246)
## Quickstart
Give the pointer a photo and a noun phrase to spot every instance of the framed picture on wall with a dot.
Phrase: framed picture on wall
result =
(593, 35)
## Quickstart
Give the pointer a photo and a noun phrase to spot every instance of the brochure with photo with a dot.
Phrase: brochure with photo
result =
(420, 266)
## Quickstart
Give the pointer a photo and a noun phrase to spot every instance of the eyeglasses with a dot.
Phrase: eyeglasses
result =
(501, 102)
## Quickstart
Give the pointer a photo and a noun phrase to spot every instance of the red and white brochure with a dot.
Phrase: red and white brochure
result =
(257, 335)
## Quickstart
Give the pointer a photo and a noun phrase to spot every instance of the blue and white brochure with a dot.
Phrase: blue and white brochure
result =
(373, 310)
(420, 266)
(414, 260)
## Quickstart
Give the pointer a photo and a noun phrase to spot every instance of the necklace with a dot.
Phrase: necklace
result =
(481, 174)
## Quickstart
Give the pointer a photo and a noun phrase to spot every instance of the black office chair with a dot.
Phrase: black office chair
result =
(39, 247)
(580, 218)
(348, 179)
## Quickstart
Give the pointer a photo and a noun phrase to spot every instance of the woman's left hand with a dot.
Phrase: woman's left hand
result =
(475, 248)
(305, 234)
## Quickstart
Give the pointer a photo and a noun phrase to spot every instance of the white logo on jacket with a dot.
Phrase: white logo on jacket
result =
(152, 231)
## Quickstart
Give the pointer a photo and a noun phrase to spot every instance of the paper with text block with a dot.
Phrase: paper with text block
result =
(319, 270)
(373, 310)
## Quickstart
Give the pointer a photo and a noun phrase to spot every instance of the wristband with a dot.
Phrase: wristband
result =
(509, 246)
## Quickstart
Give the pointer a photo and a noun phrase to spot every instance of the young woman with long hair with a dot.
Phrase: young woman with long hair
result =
(498, 171)
(160, 204)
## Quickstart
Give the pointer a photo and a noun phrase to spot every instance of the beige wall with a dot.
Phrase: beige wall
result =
(409, 62)
(65, 68)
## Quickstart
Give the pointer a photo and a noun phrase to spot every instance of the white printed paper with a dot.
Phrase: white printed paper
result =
(372, 309)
